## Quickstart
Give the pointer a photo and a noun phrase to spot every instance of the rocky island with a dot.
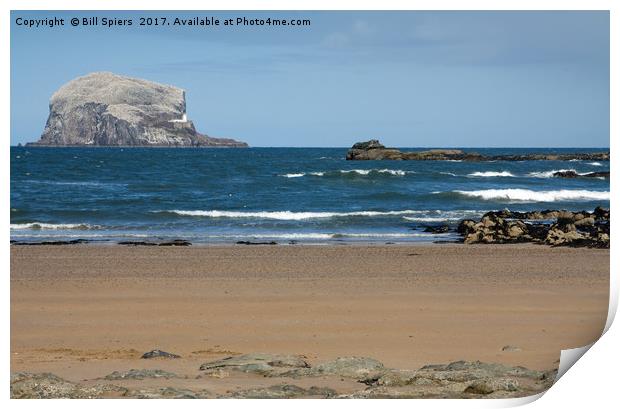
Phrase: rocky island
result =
(374, 150)
(105, 109)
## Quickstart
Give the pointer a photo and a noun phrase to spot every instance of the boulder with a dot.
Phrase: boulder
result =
(348, 367)
(487, 386)
(601, 213)
(259, 363)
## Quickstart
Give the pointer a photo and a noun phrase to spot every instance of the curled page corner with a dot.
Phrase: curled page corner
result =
(568, 357)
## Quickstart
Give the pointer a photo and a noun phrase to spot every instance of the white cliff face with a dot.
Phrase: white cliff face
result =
(105, 109)
(182, 120)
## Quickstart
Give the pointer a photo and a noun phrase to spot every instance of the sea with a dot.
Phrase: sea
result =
(286, 195)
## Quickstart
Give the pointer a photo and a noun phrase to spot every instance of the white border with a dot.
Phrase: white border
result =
(592, 382)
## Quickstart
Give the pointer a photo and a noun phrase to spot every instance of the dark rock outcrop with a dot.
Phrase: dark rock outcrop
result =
(439, 229)
(176, 242)
(256, 243)
(553, 227)
(105, 109)
(371, 144)
(374, 150)
(571, 174)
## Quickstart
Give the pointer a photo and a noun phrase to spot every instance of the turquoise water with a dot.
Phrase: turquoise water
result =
(281, 194)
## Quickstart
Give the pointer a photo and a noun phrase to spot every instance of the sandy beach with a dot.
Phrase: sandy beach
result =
(81, 312)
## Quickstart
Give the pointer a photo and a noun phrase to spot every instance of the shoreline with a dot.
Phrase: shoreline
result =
(239, 243)
(546, 227)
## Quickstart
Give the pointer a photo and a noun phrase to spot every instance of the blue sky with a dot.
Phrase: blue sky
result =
(496, 79)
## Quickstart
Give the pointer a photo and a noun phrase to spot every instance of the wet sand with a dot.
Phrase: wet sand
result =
(84, 311)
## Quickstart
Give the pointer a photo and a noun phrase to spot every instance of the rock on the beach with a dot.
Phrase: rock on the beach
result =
(510, 348)
(259, 363)
(26, 385)
(487, 386)
(348, 367)
(105, 109)
(140, 374)
(460, 379)
(167, 393)
(284, 391)
(157, 353)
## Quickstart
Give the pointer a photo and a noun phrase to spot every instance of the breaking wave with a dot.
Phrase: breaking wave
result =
(288, 215)
(526, 195)
(549, 173)
(51, 226)
(488, 174)
(355, 172)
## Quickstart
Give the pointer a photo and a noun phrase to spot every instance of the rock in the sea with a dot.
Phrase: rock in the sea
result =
(259, 363)
(171, 243)
(577, 229)
(371, 144)
(105, 109)
(571, 174)
(157, 353)
(256, 243)
(374, 150)
(437, 229)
